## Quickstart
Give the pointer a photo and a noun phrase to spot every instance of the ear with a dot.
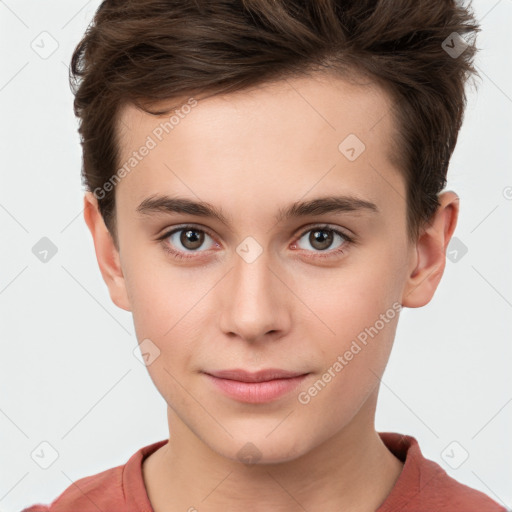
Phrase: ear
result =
(431, 252)
(106, 253)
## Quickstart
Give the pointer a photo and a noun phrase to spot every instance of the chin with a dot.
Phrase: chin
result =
(257, 446)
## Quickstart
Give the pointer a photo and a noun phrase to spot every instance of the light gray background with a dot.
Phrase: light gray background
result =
(67, 372)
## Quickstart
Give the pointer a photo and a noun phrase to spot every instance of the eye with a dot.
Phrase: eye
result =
(186, 239)
(183, 241)
(322, 238)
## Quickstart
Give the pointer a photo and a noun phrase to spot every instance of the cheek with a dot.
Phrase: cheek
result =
(357, 311)
(352, 299)
(354, 361)
(162, 295)
(169, 307)
(163, 318)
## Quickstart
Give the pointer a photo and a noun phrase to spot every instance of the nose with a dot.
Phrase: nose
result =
(255, 302)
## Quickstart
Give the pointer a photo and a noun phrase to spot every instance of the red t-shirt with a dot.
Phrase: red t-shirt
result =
(423, 486)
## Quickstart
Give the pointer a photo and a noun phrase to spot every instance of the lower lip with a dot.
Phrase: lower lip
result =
(256, 392)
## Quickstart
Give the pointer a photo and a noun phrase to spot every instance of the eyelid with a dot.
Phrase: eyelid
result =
(167, 233)
(298, 233)
(349, 236)
(349, 239)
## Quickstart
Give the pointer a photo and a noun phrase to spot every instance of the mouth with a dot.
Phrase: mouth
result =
(255, 387)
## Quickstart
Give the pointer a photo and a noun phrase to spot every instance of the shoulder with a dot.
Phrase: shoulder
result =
(118, 488)
(424, 485)
(87, 494)
(449, 494)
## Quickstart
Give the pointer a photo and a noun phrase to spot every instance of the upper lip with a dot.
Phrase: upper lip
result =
(259, 376)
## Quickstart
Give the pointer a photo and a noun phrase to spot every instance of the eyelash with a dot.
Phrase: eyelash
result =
(179, 255)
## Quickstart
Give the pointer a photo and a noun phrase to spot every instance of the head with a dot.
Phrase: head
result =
(303, 152)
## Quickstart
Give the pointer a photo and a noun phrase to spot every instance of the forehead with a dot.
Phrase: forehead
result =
(312, 105)
(277, 140)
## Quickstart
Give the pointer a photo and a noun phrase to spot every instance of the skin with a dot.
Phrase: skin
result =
(251, 153)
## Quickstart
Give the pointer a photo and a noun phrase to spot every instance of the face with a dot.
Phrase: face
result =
(303, 268)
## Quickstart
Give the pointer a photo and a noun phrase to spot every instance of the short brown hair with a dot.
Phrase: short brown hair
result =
(144, 52)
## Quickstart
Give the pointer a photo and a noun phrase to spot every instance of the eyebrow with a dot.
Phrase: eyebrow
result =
(319, 206)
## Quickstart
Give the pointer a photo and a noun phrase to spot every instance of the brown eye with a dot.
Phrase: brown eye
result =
(321, 239)
(191, 239)
(188, 239)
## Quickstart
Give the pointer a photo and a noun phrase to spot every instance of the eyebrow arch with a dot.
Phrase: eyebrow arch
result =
(319, 206)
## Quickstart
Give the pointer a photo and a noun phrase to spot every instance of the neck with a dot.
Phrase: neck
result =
(185, 474)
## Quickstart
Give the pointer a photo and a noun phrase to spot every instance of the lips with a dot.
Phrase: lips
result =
(259, 376)
(258, 387)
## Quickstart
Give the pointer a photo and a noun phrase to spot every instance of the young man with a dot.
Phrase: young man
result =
(265, 193)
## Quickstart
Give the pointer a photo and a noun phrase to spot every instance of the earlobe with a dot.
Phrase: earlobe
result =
(107, 254)
(431, 253)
